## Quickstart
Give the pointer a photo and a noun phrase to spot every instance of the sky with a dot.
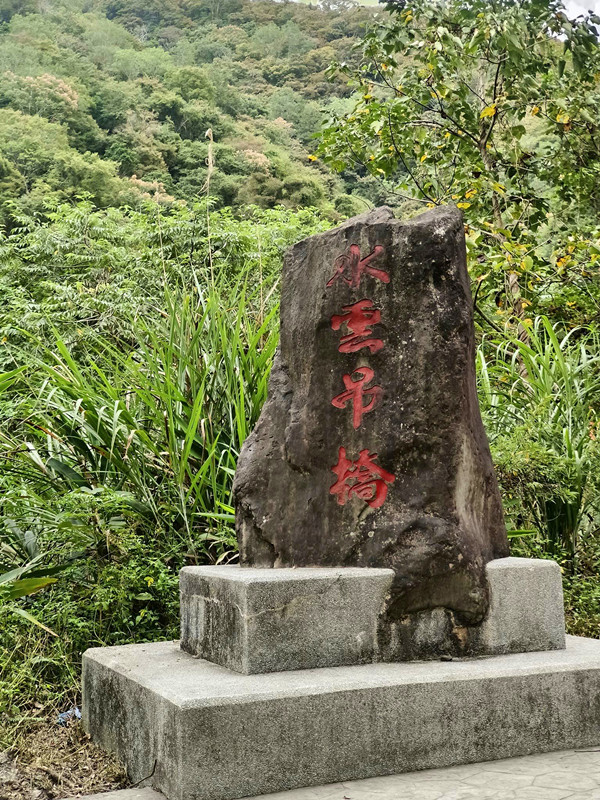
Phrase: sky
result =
(575, 7)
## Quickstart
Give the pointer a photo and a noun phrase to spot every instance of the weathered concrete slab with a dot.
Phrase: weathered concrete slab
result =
(526, 613)
(207, 733)
(269, 620)
(526, 610)
(256, 620)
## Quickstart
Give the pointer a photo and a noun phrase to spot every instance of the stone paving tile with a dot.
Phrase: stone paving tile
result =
(569, 775)
(535, 793)
(450, 773)
(497, 780)
(595, 795)
(573, 779)
(519, 766)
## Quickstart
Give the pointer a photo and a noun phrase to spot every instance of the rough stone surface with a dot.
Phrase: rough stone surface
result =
(526, 613)
(526, 607)
(256, 620)
(206, 733)
(265, 620)
(417, 490)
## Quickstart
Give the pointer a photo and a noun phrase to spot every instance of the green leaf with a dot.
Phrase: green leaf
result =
(24, 587)
(20, 612)
(67, 472)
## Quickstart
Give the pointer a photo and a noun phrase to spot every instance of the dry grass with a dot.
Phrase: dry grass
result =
(52, 762)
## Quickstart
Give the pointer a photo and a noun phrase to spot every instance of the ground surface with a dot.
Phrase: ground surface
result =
(62, 762)
(569, 775)
(52, 762)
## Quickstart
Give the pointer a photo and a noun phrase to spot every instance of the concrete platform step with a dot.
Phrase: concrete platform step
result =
(568, 775)
(202, 732)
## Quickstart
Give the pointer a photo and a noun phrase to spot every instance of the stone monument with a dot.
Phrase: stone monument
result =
(370, 450)
(371, 535)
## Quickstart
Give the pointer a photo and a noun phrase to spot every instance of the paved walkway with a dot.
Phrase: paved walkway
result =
(569, 775)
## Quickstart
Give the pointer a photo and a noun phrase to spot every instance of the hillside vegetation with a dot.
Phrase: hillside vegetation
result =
(115, 100)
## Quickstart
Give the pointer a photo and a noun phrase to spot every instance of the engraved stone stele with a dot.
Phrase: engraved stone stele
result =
(370, 450)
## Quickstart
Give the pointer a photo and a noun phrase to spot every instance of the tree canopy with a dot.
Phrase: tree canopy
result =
(492, 106)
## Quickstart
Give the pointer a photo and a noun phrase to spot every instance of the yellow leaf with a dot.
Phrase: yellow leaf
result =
(535, 111)
(423, 157)
(489, 111)
(430, 205)
(455, 196)
(367, 96)
(463, 205)
(563, 117)
(471, 193)
(312, 158)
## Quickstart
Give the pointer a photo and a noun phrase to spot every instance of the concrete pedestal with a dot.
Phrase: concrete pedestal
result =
(269, 620)
(203, 732)
(256, 620)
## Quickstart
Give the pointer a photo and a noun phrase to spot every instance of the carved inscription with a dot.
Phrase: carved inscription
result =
(362, 478)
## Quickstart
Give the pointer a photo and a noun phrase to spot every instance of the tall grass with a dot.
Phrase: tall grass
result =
(157, 430)
(540, 401)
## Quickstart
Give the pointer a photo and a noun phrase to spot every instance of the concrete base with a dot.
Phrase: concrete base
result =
(203, 732)
(269, 620)
(256, 620)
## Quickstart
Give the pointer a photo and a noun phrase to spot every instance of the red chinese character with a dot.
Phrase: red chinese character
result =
(350, 266)
(362, 478)
(356, 390)
(359, 318)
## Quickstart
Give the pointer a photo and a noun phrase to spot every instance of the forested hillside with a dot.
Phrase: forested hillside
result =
(115, 99)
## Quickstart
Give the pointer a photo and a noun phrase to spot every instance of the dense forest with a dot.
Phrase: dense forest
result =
(156, 160)
(122, 102)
